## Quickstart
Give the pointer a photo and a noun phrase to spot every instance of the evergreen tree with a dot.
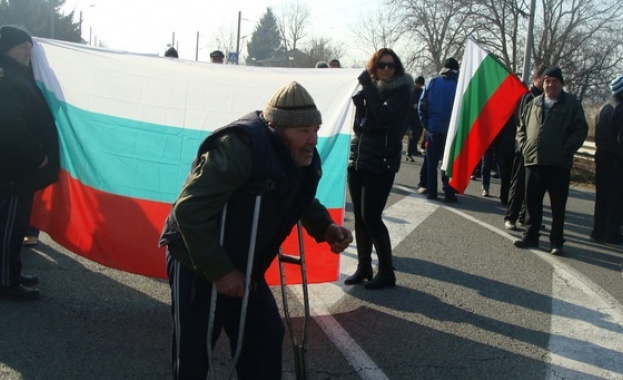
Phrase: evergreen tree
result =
(40, 18)
(266, 40)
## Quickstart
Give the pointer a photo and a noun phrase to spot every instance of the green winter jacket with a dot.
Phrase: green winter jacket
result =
(552, 141)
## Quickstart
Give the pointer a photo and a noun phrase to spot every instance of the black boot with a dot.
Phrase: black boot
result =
(364, 259)
(386, 276)
(363, 272)
(381, 280)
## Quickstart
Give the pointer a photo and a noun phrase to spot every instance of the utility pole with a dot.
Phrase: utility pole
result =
(238, 39)
(525, 76)
(51, 19)
(197, 48)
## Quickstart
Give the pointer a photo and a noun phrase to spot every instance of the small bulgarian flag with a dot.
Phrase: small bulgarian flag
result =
(486, 96)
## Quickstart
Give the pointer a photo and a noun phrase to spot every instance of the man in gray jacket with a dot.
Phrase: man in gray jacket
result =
(551, 129)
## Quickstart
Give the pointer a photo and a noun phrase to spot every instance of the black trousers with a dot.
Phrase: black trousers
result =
(261, 353)
(436, 143)
(555, 181)
(369, 193)
(608, 196)
(14, 220)
(515, 209)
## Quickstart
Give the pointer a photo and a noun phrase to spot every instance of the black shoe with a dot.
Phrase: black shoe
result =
(451, 199)
(27, 280)
(381, 280)
(359, 276)
(594, 239)
(18, 292)
(526, 243)
(431, 197)
(557, 250)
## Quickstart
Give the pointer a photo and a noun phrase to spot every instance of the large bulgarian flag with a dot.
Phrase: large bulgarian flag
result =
(129, 127)
(486, 96)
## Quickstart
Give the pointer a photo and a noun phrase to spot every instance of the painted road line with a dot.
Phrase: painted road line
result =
(401, 219)
(586, 330)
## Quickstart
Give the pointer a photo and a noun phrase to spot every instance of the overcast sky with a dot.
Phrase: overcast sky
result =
(147, 26)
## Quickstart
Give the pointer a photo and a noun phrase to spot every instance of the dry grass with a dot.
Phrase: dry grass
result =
(583, 172)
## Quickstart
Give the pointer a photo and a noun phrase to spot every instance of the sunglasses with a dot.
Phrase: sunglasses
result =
(383, 65)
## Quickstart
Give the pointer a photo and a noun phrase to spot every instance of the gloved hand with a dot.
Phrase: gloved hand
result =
(364, 78)
(358, 100)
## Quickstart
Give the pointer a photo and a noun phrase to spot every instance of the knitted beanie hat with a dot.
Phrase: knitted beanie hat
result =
(554, 72)
(11, 36)
(451, 63)
(292, 106)
(617, 86)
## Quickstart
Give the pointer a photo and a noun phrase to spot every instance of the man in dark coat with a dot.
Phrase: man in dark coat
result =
(609, 168)
(551, 129)
(29, 156)
(272, 153)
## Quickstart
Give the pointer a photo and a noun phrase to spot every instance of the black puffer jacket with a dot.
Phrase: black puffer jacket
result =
(381, 108)
(27, 132)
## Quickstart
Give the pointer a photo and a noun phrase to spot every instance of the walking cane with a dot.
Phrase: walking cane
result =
(299, 346)
(245, 299)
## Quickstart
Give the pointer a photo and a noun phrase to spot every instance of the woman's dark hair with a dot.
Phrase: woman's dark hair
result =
(371, 65)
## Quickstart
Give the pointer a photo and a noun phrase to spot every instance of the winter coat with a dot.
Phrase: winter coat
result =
(27, 132)
(381, 108)
(437, 101)
(553, 140)
(232, 166)
(609, 127)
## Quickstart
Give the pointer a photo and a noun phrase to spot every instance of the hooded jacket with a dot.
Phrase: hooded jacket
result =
(27, 132)
(380, 111)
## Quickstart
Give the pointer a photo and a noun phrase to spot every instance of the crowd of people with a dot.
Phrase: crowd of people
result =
(208, 257)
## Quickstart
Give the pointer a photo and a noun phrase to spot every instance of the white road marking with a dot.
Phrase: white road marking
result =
(586, 321)
(401, 219)
(586, 330)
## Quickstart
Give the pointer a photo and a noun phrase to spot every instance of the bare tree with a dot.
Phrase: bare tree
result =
(440, 27)
(376, 31)
(225, 40)
(500, 25)
(583, 37)
(322, 49)
(293, 21)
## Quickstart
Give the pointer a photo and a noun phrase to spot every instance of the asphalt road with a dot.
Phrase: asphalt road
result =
(468, 305)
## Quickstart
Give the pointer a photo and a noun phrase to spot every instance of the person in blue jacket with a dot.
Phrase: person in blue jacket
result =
(435, 110)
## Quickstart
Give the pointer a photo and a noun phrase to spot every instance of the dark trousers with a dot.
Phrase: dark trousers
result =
(261, 353)
(505, 163)
(414, 136)
(369, 193)
(608, 196)
(488, 163)
(555, 181)
(423, 175)
(14, 219)
(515, 210)
(436, 143)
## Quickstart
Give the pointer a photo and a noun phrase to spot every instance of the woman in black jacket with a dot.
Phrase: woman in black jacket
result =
(375, 153)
